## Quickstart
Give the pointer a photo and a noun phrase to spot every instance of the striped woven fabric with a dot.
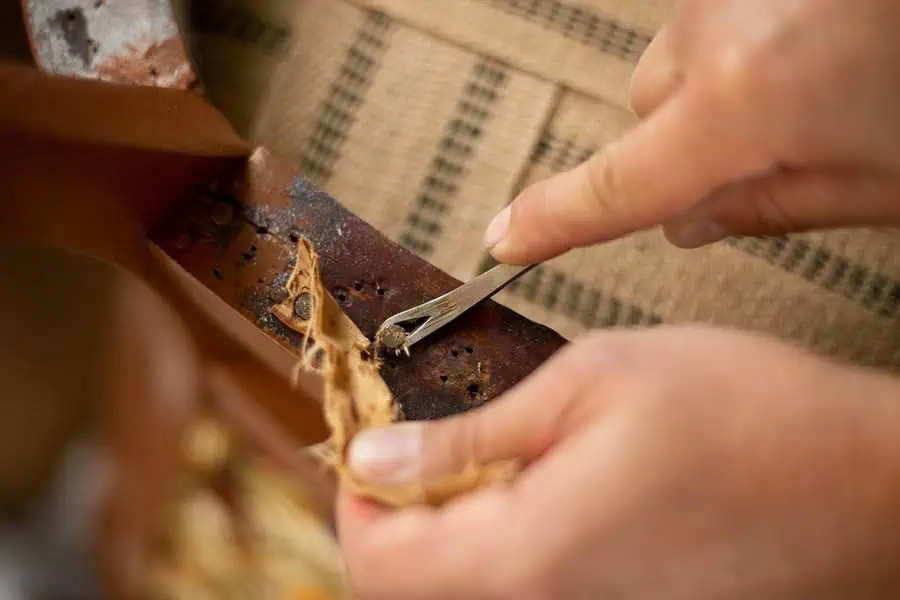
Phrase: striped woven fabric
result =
(425, 118)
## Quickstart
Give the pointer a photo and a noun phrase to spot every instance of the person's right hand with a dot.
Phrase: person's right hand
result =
(759, 117)
(652, 468)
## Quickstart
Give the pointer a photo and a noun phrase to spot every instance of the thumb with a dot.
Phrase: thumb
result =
(522, 424)
(657, 170)
(786, 202)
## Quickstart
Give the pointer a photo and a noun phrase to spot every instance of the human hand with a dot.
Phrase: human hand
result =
(655, 469)
(758, 117)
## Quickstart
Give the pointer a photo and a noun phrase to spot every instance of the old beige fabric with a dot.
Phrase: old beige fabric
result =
(426, 117)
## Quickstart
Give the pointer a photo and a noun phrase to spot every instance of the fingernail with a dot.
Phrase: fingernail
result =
(693, 234)
(497, 229)
(388, 455)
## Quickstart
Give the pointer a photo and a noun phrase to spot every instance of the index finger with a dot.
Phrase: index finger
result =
(689, 146)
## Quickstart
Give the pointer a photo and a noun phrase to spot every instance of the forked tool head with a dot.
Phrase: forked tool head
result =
(404, 329)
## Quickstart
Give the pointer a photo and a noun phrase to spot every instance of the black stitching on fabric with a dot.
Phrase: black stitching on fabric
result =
(590, 28)
(541, 148)
(831, 271)
(838, 274)
(337, 113)
(231, 20)
(877, 286)
(555, 284)
(816, 265)
(573, 298)
(556, 292)
(614, 311)
(635, 316)
(528, 286)
(559, 154)
(856, 279)
(798, 253)
(776, 249)
(458, 146)
(893, 300)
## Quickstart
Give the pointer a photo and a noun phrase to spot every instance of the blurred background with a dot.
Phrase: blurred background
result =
(54, 308)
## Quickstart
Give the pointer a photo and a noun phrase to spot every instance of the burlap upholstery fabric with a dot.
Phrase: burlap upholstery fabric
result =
(426, 117)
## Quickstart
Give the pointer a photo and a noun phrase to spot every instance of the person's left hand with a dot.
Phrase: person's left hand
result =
(670, 463)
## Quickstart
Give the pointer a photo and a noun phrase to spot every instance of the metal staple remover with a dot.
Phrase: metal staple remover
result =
(404, 329)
